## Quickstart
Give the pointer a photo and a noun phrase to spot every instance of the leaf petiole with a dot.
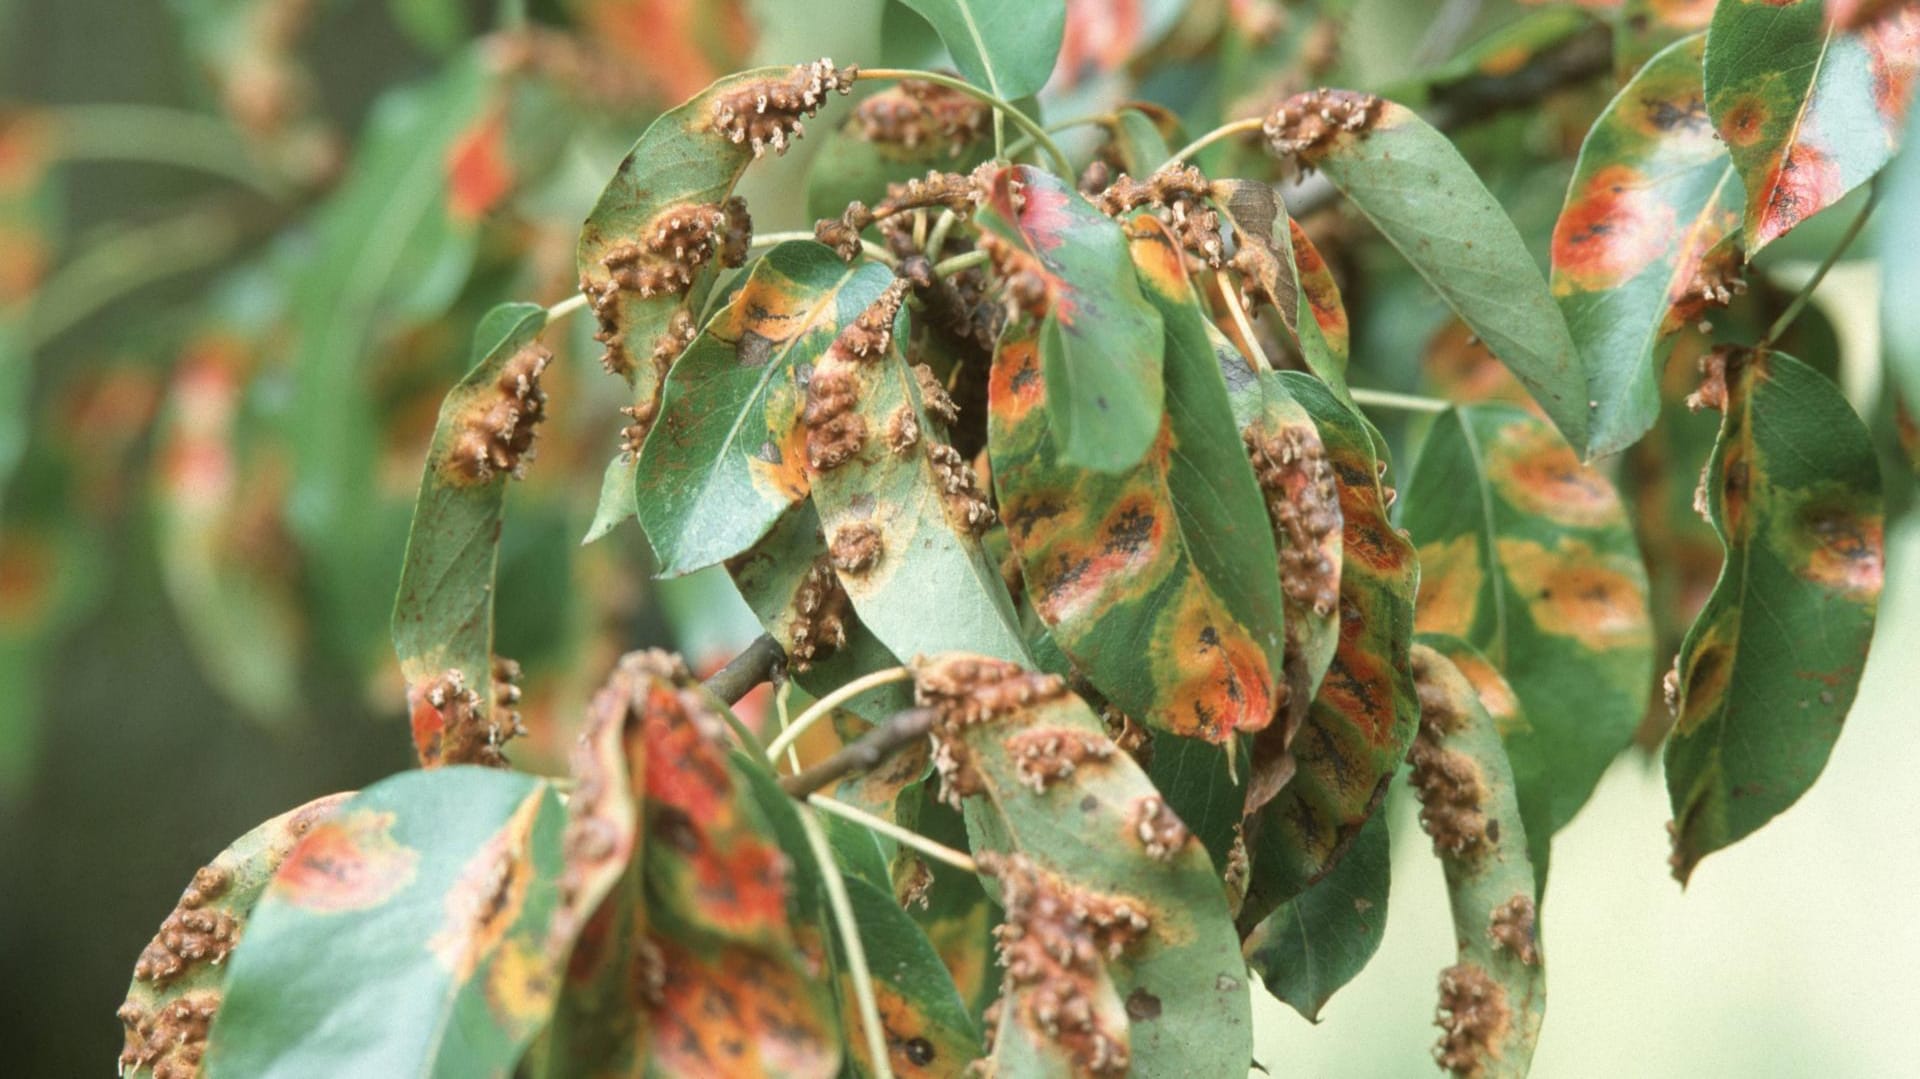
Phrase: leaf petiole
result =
(939, 852)
(1224, 131)
(1785, 321)
(1405, 402)
(828, 703)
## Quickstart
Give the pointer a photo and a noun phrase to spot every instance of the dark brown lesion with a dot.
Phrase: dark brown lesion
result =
(1304, 126)
(171, 1038)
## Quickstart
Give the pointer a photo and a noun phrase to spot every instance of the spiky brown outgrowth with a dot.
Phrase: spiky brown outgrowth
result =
(1714, 283)
(1303, 505)
(677, 244)
(1161, 834)
(191, 934)
(835, 430)
(171, 1039)
(915, 112)
(1300, 128)
(934, 396)
(960, 489)
(1177, 194)
(1449, 783)
(903, 430)
(1473, 1018)
(820, 610)
(1025, 283)
(1044, 756)
(1052, 947)
(855, 548)
(768, 112)
(965, 691)
(496, 431)
(1511, 927)
(449, 726)
(871, 333)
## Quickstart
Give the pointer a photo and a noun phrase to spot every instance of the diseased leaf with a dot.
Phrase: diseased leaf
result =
(1323, 938)
(1158, 581)
(1809, 111)
(1357, 729)
(443, 617)
(1769, 670)
(727, 455)
(1114, 910)
(1005, 46)
(1528, 556)
(898, 134)
(900, 507)
(1411, 183)
(1494, 997)
(1281, 267)
(403, 935)
(179, 978)
(1644, 242)
(1100, 340)
(668, 216)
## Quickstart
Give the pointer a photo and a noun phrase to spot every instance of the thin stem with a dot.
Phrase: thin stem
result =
(937, 239)
(782, 707)
(870, 249)
(864, 754)
(567, 307)
(954, 265)
(1224, 131)
(755, 663)
(849, 929)
(1020, 119)
(157, 135)
(833, 700)
(939, 852)
(1405, 402)
(1231, 298)
(1785, 321)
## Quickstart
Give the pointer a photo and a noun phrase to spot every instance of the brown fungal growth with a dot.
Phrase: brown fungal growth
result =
(1449, 783)
(1128, 734)
(965, 691)
(680, 333)
(171, 1039)
(1304, 125)
(1716, 367)
(191, 934)
(1473, 1018)
(1511, 927)
(677, 243)
(960, 489)
(448, 724)
(1052, 947)
(1177, 193)
(835, 432)
(915, 112)
(506, 696)
(855, 548)
(843, 233)
(819, 623)
(934, 397)
(1303, 505)
(495, 432)
(903, 430)
(1028, 287)
(1160, 832)
(1715, 281)
(871, 333)
(768, 112)
(1043, 756)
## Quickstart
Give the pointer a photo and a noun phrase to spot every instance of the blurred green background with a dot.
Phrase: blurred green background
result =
(1793, 954)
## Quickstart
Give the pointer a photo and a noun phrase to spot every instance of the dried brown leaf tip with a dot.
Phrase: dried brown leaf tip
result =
(191, 933)
(1303, 505)
(915, 112)
(171, 1039)
(495, 431)
(448, 724)
(1449, 783)
(1473, 1018)
(767, 112)
(1511, 928)
(1177, 194)
(960, 489)
(1044, 756)
(1052, 946)
(819, 623)
(1303, 126)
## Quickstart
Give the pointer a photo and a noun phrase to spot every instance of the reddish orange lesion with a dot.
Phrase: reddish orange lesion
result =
(1839, 548)
(1572, 590)
(1016, 386)
(1496, 696)
(486, 899)
(1074, 570)
(1215, 678)
(348, 862)
(1533, 469)
(1323, 295)
(1893, 58)
(1451, 579)
(735, 1012)
(1805, 181)
(1616, 227)
(480, 175)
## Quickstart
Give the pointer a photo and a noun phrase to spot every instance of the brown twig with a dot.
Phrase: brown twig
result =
(899, 731)
(756, 664)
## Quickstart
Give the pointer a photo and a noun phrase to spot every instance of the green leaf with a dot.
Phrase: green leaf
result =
(403, 935)
(1321, 939)
(1100, 341)
(388, 247)
(1527, 555)
(1899, 251)
(1158, 581)
(1809, 111)
(1467, 793)
(900, 507)
(1769, 670)
(1357, 729)
(1647, 224)
(637, 268)
(443, 616)
(1064, 821)
(179, 979)
(727, 456)
(1138, 134)
(1005, 46)
(1411, 183)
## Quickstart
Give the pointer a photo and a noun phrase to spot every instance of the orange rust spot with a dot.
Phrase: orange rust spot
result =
(1614, 229)
(347, 862)
(1844, 550)
(479, 173)
(1574, 591)
(735, 1012)
(487, 897)
(1538, 473)
(1451, 578)
(1805, 181)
